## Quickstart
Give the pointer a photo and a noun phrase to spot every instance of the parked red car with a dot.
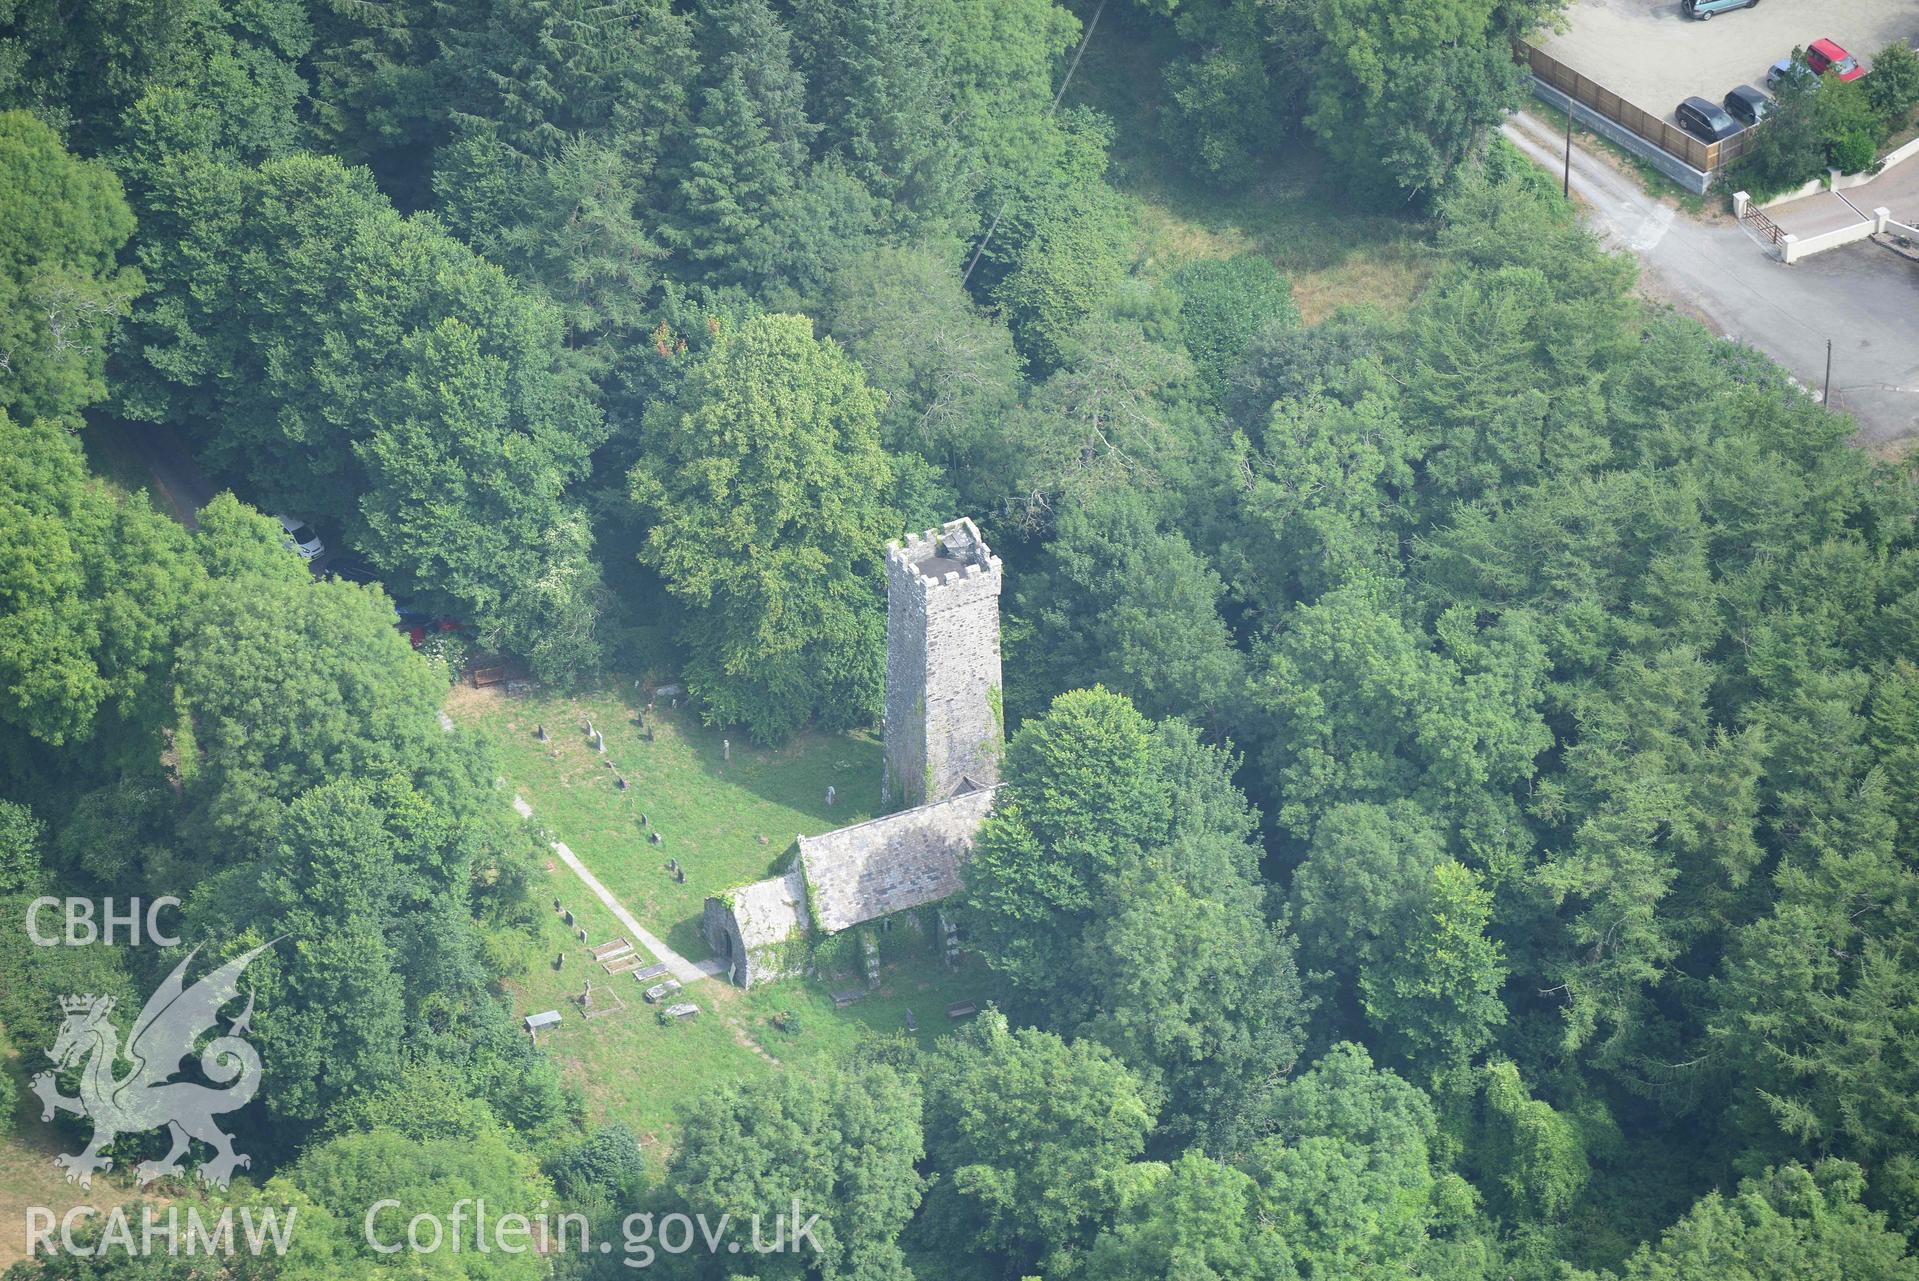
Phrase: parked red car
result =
(1823, 55)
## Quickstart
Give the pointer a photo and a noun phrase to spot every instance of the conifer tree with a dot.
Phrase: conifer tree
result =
(734, 178)
(749, 38)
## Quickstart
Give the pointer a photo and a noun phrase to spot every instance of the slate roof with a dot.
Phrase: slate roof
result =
(770, 911)
(872, 869)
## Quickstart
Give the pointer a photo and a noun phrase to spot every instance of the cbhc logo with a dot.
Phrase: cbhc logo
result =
(86, 925)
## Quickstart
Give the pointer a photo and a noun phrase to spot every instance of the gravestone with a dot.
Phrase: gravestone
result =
(831, 796)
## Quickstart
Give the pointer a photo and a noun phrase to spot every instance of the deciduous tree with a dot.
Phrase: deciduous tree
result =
(763, 489)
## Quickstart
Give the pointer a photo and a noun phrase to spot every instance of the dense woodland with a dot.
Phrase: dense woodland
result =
(1465, 759)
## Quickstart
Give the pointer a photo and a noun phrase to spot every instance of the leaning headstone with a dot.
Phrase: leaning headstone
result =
(657, 838)
(539, 732)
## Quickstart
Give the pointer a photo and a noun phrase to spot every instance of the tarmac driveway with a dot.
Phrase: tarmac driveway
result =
(1863, 297)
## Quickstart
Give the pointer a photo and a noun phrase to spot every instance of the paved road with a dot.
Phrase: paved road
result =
(1817, 214)
(1863, 297)
(1896, 191)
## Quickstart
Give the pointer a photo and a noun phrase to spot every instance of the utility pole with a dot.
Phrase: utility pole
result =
(1084, 40)
(1566, 188)
(1826, 398)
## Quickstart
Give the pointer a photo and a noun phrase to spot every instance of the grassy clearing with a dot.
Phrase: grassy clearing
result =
(627, 1065)
(711, 812)
(1337, 255)
(28, 1176)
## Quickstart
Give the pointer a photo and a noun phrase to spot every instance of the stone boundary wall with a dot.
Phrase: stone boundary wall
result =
(1693, 180)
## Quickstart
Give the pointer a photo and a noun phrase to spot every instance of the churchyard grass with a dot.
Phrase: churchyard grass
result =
(627, 1065)
(711, 812)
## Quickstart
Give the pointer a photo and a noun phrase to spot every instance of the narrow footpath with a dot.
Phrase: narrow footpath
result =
(682, 969)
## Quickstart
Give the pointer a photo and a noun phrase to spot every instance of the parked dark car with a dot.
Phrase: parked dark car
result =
(1706, 121)
(1748, 105)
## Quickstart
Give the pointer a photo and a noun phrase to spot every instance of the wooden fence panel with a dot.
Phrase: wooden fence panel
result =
(1663, 134)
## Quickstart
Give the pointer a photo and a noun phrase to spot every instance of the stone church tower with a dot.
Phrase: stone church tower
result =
(944, 719)
(943, 734)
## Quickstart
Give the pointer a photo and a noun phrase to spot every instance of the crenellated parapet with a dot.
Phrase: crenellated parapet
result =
(945, 567)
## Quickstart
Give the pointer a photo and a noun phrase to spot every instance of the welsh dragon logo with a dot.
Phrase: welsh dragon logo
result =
(174, 1018)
